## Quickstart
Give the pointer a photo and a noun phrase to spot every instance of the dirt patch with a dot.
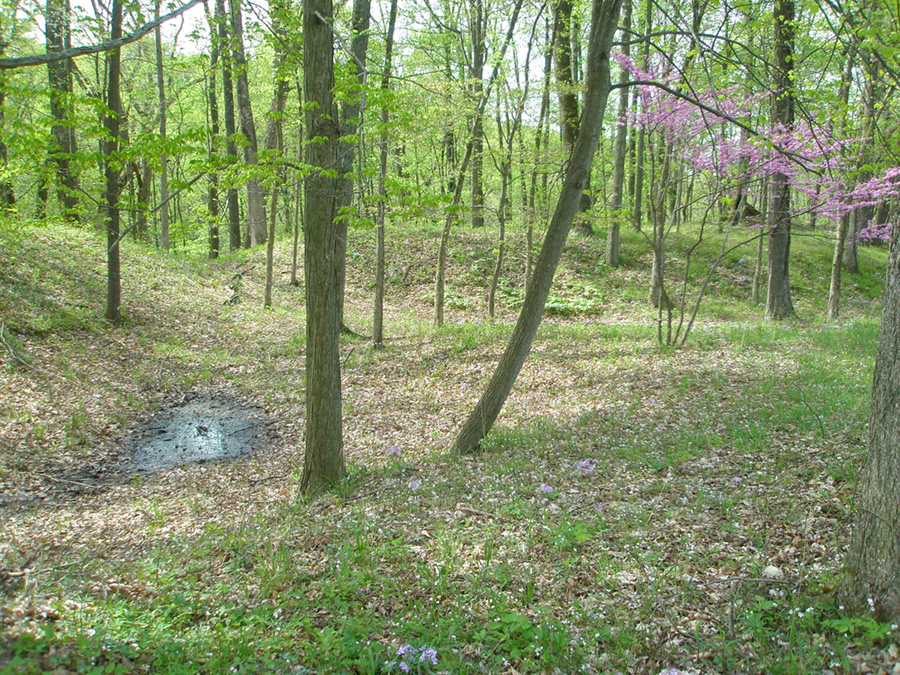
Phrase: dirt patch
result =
(197, 428)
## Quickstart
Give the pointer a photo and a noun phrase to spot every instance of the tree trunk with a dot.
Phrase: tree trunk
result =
(234, 214)
(568, 92)
(834, 291)
(378, 319)
(778, 296)
(476, 75)
(58, 37)
(323, 465)
(642, 133)
(275, 142)
(213, 103)
(111, 168)
(164, 160)
(256, 197)
(603, 26)
(351, 122)
(618, 188)
(873, 561)
(7, 194)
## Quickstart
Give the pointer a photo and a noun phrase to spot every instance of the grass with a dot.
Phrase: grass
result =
(618, 519)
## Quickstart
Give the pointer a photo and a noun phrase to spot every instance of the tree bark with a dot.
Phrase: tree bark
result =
(7, 194)
(478, 30)
(378, 318)
(604, 23)
(213, 141)
(873, 561)
(350, 124)
(164, 160)
(323, 463)
(234, 213)
(58, 37)
(778, 296)
(568, 94)
(111, 168)
(256, 197)
(618, 187)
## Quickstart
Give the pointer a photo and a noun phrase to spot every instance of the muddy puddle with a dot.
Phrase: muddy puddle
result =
(198, 428)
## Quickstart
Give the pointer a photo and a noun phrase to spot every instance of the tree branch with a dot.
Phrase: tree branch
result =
(109, 45)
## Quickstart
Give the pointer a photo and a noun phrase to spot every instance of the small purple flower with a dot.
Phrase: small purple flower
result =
(405, 649)
(586, 465)
(395, 451)
(544, 500)
(737, 479)
(429, 655)
(414, 484)
(546, 488)
(404, 666)
(652, 401)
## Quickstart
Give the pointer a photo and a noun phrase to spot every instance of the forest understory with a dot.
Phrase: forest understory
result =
(637, 509)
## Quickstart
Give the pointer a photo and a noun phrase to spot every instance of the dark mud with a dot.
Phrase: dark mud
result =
(195, 429)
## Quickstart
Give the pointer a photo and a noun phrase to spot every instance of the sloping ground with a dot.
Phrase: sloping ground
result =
(638, 508)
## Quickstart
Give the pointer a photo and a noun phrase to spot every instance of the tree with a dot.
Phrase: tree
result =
(604, 22)
(59, 73)
(164, 160)
(873, 561)
(323, 463)
(378, 315)
(234, 216)
(111, 167)
(615, 207)
(256, 198)
(778, 296)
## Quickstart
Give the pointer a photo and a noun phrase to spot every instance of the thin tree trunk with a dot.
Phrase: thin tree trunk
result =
(7, 194)
(350, 124)
(539, 160)
(58, 37)
(476, 76)
(111, 168)
(615, 207)
(568, 93)
(642, 133)
(778, 296)
(834, 290)
(460, 176)
(234, 214)
(164, 160)
(256, 196)
(298, 211)
(603, 27)
(275, 143)
(378, 319)
(213, 103)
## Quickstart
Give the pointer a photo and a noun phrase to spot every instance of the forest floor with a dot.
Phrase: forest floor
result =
(638, 508)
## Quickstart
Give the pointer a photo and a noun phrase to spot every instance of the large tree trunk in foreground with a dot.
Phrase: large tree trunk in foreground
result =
(778, 297)
(603, 26)
(323, 464)
(873, 562)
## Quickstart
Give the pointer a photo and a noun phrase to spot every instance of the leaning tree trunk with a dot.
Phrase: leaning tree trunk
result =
(111, 168)
(778, 296)
(323, 464)
(603, 26)
(873, 561)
